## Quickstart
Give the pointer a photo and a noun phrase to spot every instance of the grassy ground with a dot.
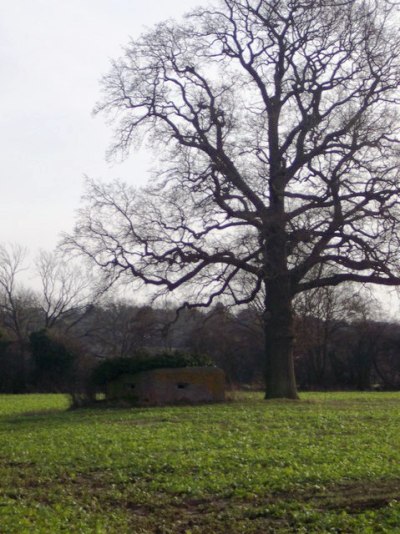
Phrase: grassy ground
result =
(329, 463)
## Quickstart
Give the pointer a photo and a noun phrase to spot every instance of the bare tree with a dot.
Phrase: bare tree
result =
(278, 127)
(365, 338)
(67, 291)
(17, 304)
(324, 316)
(119, 328)
(317, 317)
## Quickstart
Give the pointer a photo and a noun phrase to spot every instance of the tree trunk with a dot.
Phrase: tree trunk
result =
(279, 337)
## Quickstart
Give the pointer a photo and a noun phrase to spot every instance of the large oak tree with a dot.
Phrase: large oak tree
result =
(276, 130)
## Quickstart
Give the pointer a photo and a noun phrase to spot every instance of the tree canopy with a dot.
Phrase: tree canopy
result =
(276, 126)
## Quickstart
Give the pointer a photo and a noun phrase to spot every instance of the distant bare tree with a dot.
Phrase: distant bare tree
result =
(67, 291)
(366, 339)
(118, 328)
(321, 314)
(17, 304)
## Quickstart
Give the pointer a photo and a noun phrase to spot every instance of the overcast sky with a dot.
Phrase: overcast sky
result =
(52, 55)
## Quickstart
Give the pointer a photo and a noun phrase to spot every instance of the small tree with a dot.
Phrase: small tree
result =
(277, 121)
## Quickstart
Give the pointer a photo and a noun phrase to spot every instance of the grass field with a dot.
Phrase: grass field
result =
(329, 463)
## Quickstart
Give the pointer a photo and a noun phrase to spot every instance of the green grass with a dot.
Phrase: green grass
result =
(329, 463)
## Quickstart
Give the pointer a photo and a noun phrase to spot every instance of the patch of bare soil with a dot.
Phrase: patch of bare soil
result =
(356, 497)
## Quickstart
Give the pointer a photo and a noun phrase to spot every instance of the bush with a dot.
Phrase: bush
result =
(12, 369)
(52, 361)
(143, 361)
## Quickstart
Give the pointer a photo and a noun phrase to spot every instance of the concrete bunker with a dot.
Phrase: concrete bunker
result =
(169, 386)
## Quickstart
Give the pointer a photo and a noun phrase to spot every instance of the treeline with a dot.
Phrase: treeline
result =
(61, 357)
(352, 354)
(51, 338)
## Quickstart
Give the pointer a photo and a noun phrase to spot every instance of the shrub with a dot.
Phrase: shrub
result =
(53, 362)
(12, 376)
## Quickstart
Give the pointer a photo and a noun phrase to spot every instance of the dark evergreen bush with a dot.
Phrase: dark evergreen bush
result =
(11, 371)
(52, 362)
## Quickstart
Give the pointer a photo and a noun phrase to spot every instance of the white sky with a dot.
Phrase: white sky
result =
(52, 55)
